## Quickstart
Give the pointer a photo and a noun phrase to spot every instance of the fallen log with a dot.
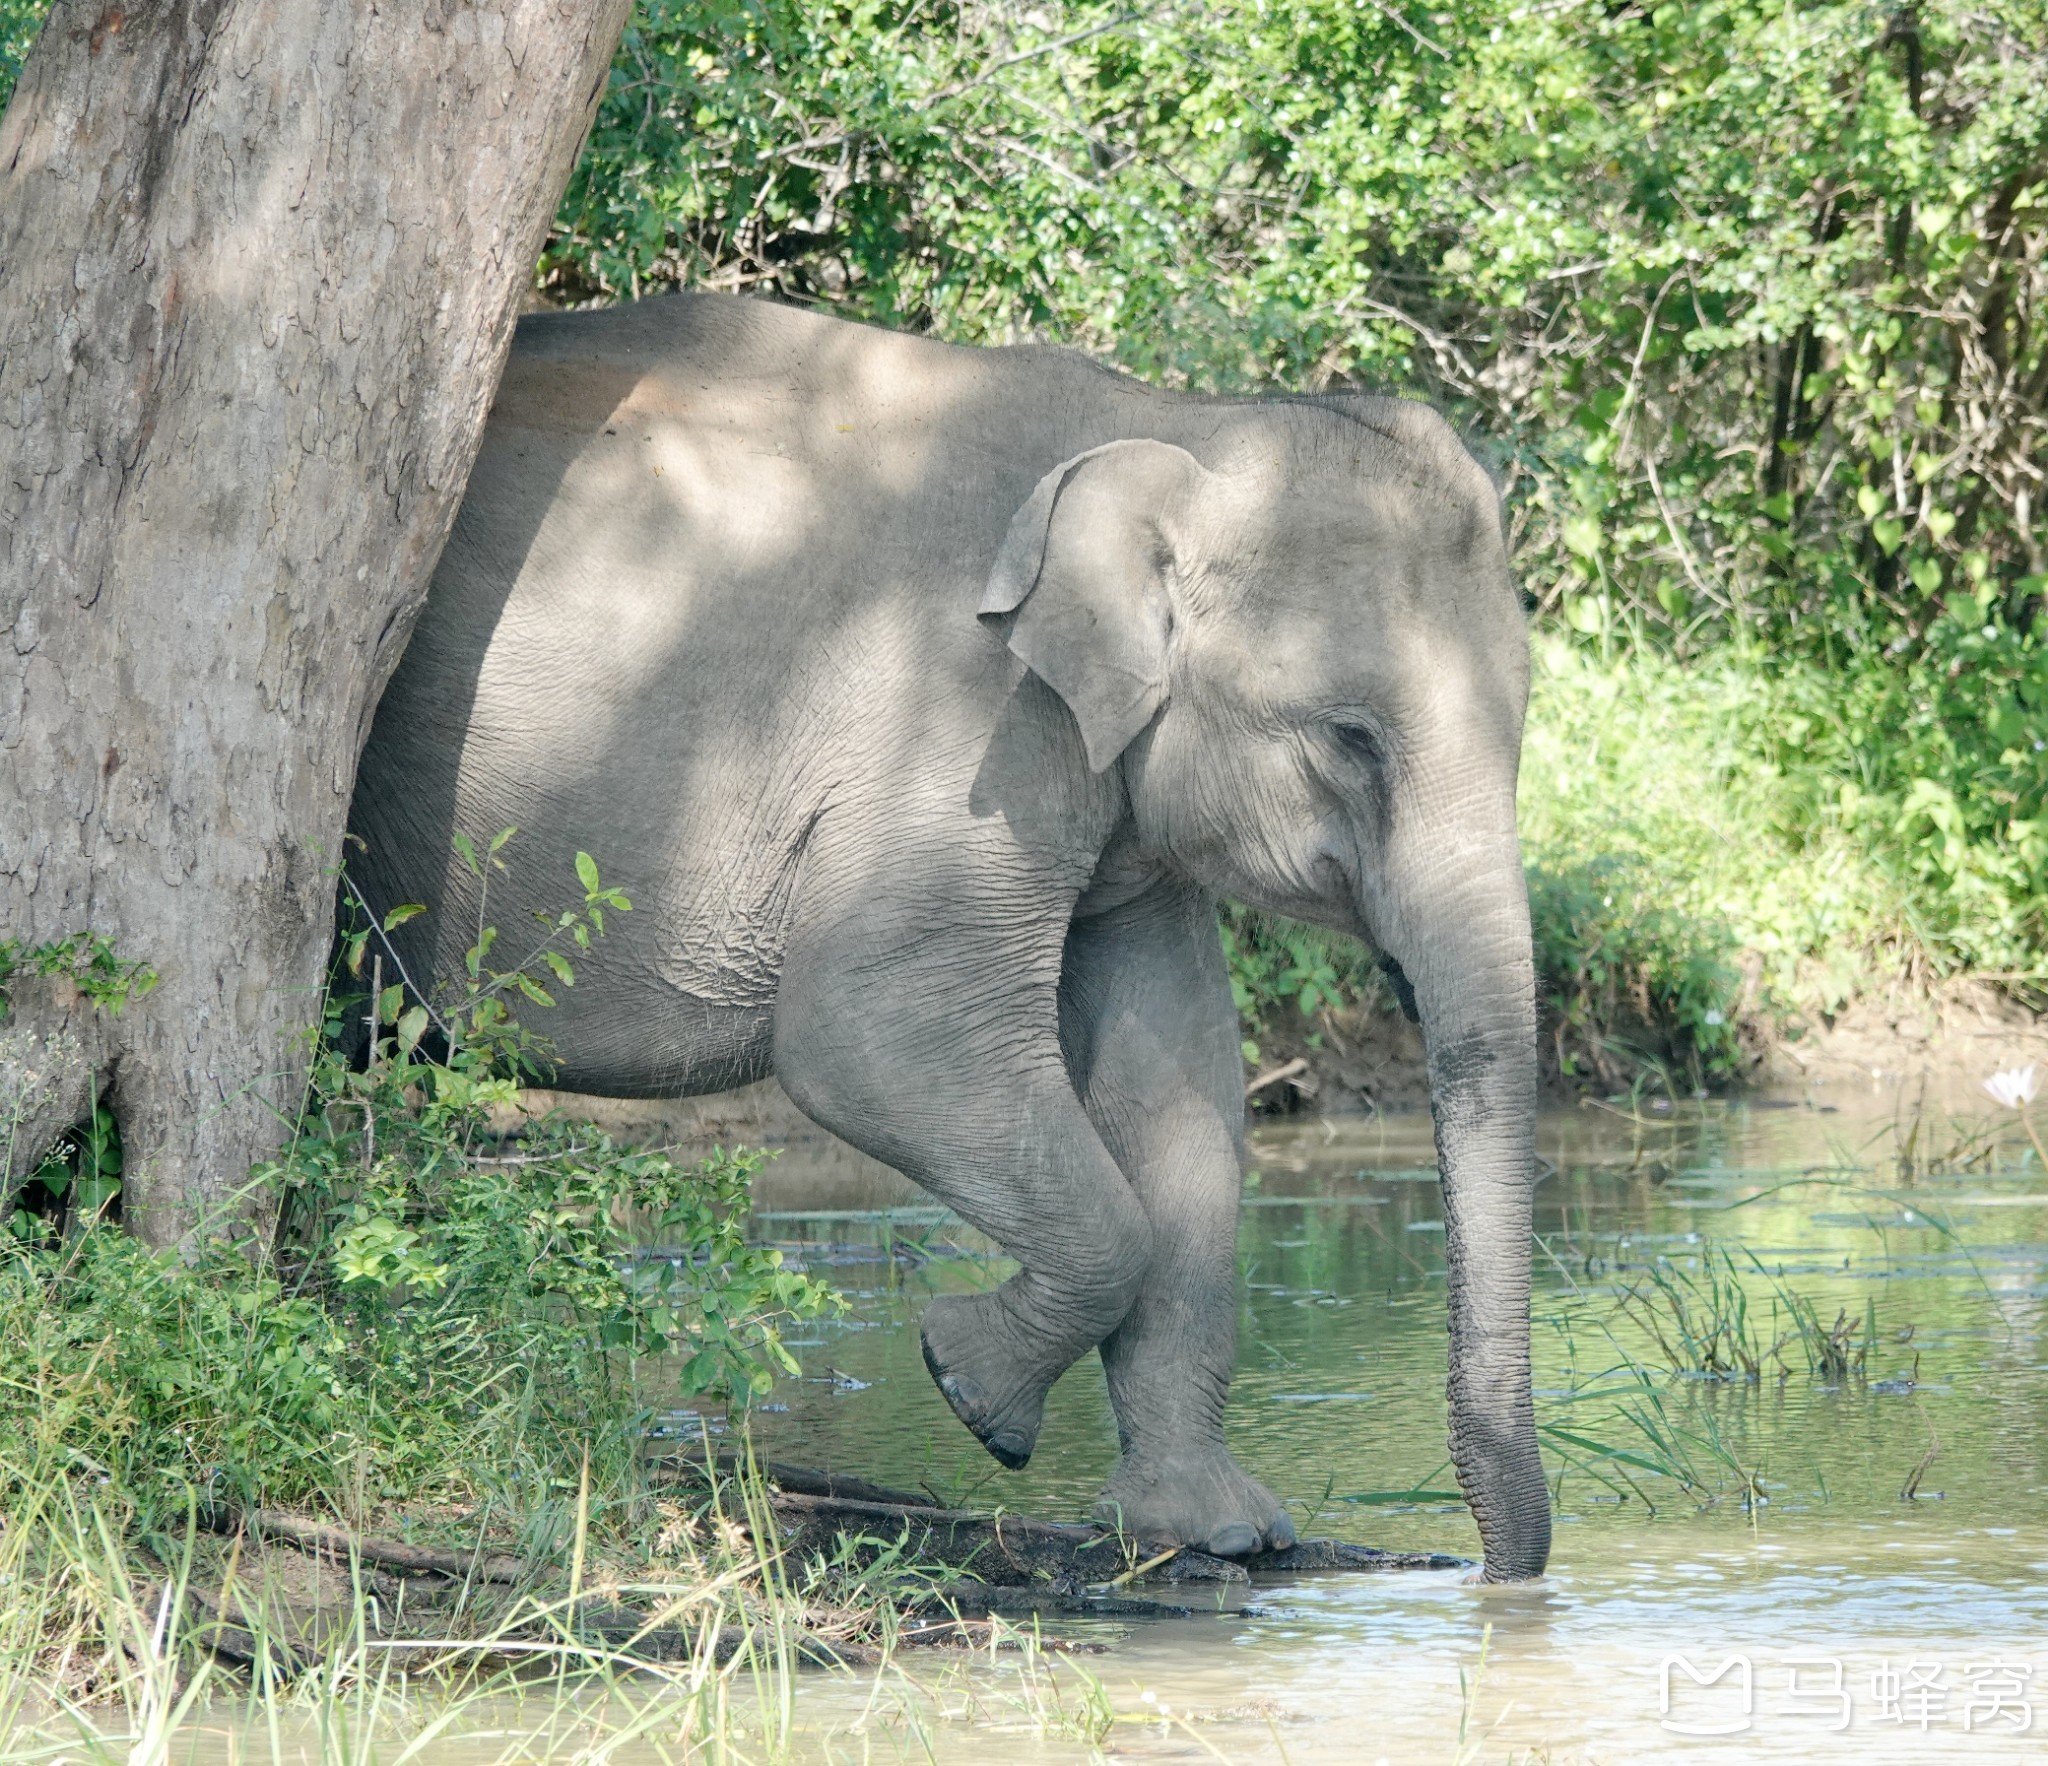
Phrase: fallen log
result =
(1012, 1551)
(1007, 1565)
(1337, 1554)
(1006, 1550)
(338, 1545)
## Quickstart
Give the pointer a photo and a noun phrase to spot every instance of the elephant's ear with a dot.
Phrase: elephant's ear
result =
(1080, 590)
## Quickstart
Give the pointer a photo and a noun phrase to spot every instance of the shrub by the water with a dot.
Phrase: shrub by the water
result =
(437, 1313)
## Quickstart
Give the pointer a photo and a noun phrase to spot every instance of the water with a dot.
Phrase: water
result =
(1866, 1625)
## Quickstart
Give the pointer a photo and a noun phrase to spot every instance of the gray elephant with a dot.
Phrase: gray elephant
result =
(924, 700)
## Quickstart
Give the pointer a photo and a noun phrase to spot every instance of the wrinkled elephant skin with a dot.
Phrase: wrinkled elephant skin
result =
(924, 700)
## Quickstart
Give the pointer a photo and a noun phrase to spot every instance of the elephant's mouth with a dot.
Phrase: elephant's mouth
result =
(1404, 989)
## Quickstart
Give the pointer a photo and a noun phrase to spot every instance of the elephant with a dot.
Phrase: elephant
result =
(924, 700)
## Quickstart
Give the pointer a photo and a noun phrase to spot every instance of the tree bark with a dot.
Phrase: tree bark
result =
(259, 266)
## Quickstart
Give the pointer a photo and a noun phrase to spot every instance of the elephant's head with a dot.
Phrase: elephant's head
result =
(1309, 659)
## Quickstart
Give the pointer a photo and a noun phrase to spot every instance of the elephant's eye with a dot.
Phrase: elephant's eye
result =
(1357, 741)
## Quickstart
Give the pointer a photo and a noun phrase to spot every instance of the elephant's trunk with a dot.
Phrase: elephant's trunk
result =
(1462, 935)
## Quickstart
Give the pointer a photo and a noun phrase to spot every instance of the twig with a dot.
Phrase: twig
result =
(1910, 1491)
(1286, 1071)
(947, 93)
(370, 1066)
(1388, 12)
(1144, 1569)
(397, 962)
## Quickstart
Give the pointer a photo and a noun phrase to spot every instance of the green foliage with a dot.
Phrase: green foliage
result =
(20, 20)
(456, 1302)
(1280, 971)
(80, 1177)
(86, 959)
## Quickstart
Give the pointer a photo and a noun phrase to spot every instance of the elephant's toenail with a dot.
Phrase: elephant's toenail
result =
(1238, 1540)
(1279, 1533)
(1010, 1447)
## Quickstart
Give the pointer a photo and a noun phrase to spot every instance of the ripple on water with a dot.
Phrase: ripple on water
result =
(1339, 1405)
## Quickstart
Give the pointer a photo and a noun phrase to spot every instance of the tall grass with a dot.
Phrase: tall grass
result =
(1627, 1424)
(199, 1648)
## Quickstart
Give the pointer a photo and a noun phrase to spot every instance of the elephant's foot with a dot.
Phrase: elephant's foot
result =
(993, 1374)
(1198, 1497)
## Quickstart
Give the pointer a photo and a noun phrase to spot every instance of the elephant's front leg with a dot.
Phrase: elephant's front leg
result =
(1151, 1040)
(926, 1034)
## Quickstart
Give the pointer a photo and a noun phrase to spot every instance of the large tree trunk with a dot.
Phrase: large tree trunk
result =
(259, 265)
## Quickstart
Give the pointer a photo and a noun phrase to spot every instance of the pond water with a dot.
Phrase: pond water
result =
(1757, 1523)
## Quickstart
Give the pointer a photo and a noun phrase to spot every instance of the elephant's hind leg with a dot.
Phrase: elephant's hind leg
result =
(955, 1078)
(1152, 1038)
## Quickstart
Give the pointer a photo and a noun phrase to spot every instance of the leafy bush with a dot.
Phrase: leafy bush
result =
(1281, 970)
(442, 1312)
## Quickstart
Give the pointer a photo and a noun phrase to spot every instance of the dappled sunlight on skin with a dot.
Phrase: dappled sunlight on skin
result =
(743, 606)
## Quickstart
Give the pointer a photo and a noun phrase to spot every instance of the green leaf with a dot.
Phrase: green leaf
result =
(466, 850)
(1926, 575)
(560, 964)
(94, 1193)
(1870, 500)
(498, 839)
(1381, 1498)
(586, 872)
(411, 1027)
(390, 1002)
(1888, 533)
(406, 910)
(1600, 1450)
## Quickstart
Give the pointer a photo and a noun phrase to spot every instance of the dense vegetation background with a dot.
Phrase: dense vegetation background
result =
(1745, 301)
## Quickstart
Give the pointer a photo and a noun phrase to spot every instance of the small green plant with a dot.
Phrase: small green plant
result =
(1701, 1322)
(79, 1177)
(87, 960)
(1281, 971)
(76, 1183)
(456, 1302)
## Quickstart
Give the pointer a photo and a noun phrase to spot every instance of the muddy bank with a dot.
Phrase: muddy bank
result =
(281, 1595)
(1909, 1054)
(1940, 1042)
(1911, 1050)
